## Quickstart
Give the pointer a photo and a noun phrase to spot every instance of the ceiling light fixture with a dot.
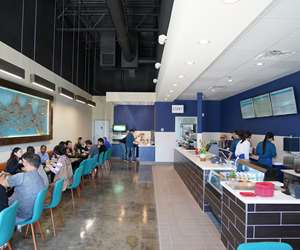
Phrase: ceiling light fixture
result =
(11, 69)
(42, 83)
(174, 84)
(66, 93)
(155, 81)
(157, 65)
(162, 39)
(91, 103)
(168, 95)
(204, 41)
(260, 64)
(171, 91)
(80, 99)
(190, 62)
(229, 79)
(181, 76)
(230, 1)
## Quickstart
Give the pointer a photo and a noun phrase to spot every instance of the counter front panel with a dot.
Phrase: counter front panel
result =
(192, 176)
(252, 222)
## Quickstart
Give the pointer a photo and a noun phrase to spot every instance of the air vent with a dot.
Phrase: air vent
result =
(274, 54)
(108, 49)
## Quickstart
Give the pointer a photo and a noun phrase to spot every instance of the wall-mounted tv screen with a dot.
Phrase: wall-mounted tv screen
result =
(247, 108)
(262, 105)
(119, 128)
(284, 102)
(291, 144)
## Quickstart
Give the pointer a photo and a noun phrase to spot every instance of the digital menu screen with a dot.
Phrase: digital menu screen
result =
(247, 108)
(284, 102)
(262, 105)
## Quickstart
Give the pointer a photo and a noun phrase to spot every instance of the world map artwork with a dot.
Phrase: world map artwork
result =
(22, 115)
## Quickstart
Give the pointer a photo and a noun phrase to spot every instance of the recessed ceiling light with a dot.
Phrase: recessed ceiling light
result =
(157, 65)
(190, 62)
(171, 91)
(260, 64)
(174, 84)
(168, 95)
(229, 79)
(181, 76)
(166, 99)
(154, 80)
(204, 41)
(230, 1)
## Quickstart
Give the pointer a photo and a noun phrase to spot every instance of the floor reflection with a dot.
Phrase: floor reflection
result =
(118, 214)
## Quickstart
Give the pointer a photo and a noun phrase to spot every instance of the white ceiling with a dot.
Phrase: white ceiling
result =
(278, 28)
(192, 21)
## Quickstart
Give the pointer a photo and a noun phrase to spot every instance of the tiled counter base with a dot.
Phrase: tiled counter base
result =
(252, 222)
(193, 177)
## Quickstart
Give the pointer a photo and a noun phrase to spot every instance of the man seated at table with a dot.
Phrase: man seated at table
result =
(69, 149)
(3, 198)
(26, 185)
(79, 148)
(43, 154)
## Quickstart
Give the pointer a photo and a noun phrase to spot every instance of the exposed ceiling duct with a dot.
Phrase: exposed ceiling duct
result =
(118, 16)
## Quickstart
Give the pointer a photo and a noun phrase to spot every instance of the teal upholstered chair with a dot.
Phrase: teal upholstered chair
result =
(88, 167)
(37, 212)
(7, 223)
(55, 200)
(76, 182)
(265, 246)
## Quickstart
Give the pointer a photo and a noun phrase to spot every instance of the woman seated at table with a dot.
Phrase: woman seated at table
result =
(69, 149)
(14, 163)
(63, 167)
(266, 150)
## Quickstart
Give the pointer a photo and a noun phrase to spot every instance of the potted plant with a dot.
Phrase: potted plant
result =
(202, 150)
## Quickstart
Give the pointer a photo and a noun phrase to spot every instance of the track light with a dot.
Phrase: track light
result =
(162, 39)
(157, 65)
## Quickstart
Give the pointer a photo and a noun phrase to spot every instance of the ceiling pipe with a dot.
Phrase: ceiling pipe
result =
(118, 16)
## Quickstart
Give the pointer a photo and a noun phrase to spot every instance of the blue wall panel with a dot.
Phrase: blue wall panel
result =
(212, 116)
(200, 126)
(164, 119)
(231, 117)
(139, 117)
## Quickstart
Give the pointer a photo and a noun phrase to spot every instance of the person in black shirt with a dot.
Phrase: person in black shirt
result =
(79, 148)
(3, 197)
(13, 166)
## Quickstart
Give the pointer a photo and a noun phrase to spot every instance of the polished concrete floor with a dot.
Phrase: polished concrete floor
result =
(118, 214)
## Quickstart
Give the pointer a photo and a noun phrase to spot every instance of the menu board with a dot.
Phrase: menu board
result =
(262, 105)
(247, 108)
(283, 102)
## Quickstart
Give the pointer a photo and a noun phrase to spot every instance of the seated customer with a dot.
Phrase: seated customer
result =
(93, 149)
(106, 143)
(27, 185)
(63, 167)
(42, 173)
(30, 149)
(79, 148)
(3, 195)
(69, 149)
(43, 154)
(14, 164)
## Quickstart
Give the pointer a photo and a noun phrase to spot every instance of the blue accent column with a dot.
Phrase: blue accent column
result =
(199, 112)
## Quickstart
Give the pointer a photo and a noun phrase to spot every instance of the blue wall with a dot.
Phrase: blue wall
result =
(139, 117)
(212, 116)
(231, 118)
(164, 117)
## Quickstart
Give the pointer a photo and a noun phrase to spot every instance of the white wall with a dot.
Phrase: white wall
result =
(103, 111)
(165, 143)
(70, 119)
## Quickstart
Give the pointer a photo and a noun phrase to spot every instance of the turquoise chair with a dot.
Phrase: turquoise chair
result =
(55, 199)
(265, 246)
(89, 166)
(7, 223)
(76, 182)
(100, 161)
(37, 212)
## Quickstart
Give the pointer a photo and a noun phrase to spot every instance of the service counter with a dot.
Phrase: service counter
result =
(242, 219)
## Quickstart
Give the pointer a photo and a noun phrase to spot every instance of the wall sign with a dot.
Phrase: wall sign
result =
(177, 109)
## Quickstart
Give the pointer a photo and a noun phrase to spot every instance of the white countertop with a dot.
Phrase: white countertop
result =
(204, 165)
(278, 198)
(291, 172)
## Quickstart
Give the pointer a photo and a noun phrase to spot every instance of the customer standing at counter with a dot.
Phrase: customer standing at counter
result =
(242, 150)
(130, 146)
(266, 150)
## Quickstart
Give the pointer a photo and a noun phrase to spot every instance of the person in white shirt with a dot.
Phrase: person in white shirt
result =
(243, 148)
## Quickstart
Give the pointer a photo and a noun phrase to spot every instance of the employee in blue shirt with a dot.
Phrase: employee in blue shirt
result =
(235, 140)
(266, 150)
